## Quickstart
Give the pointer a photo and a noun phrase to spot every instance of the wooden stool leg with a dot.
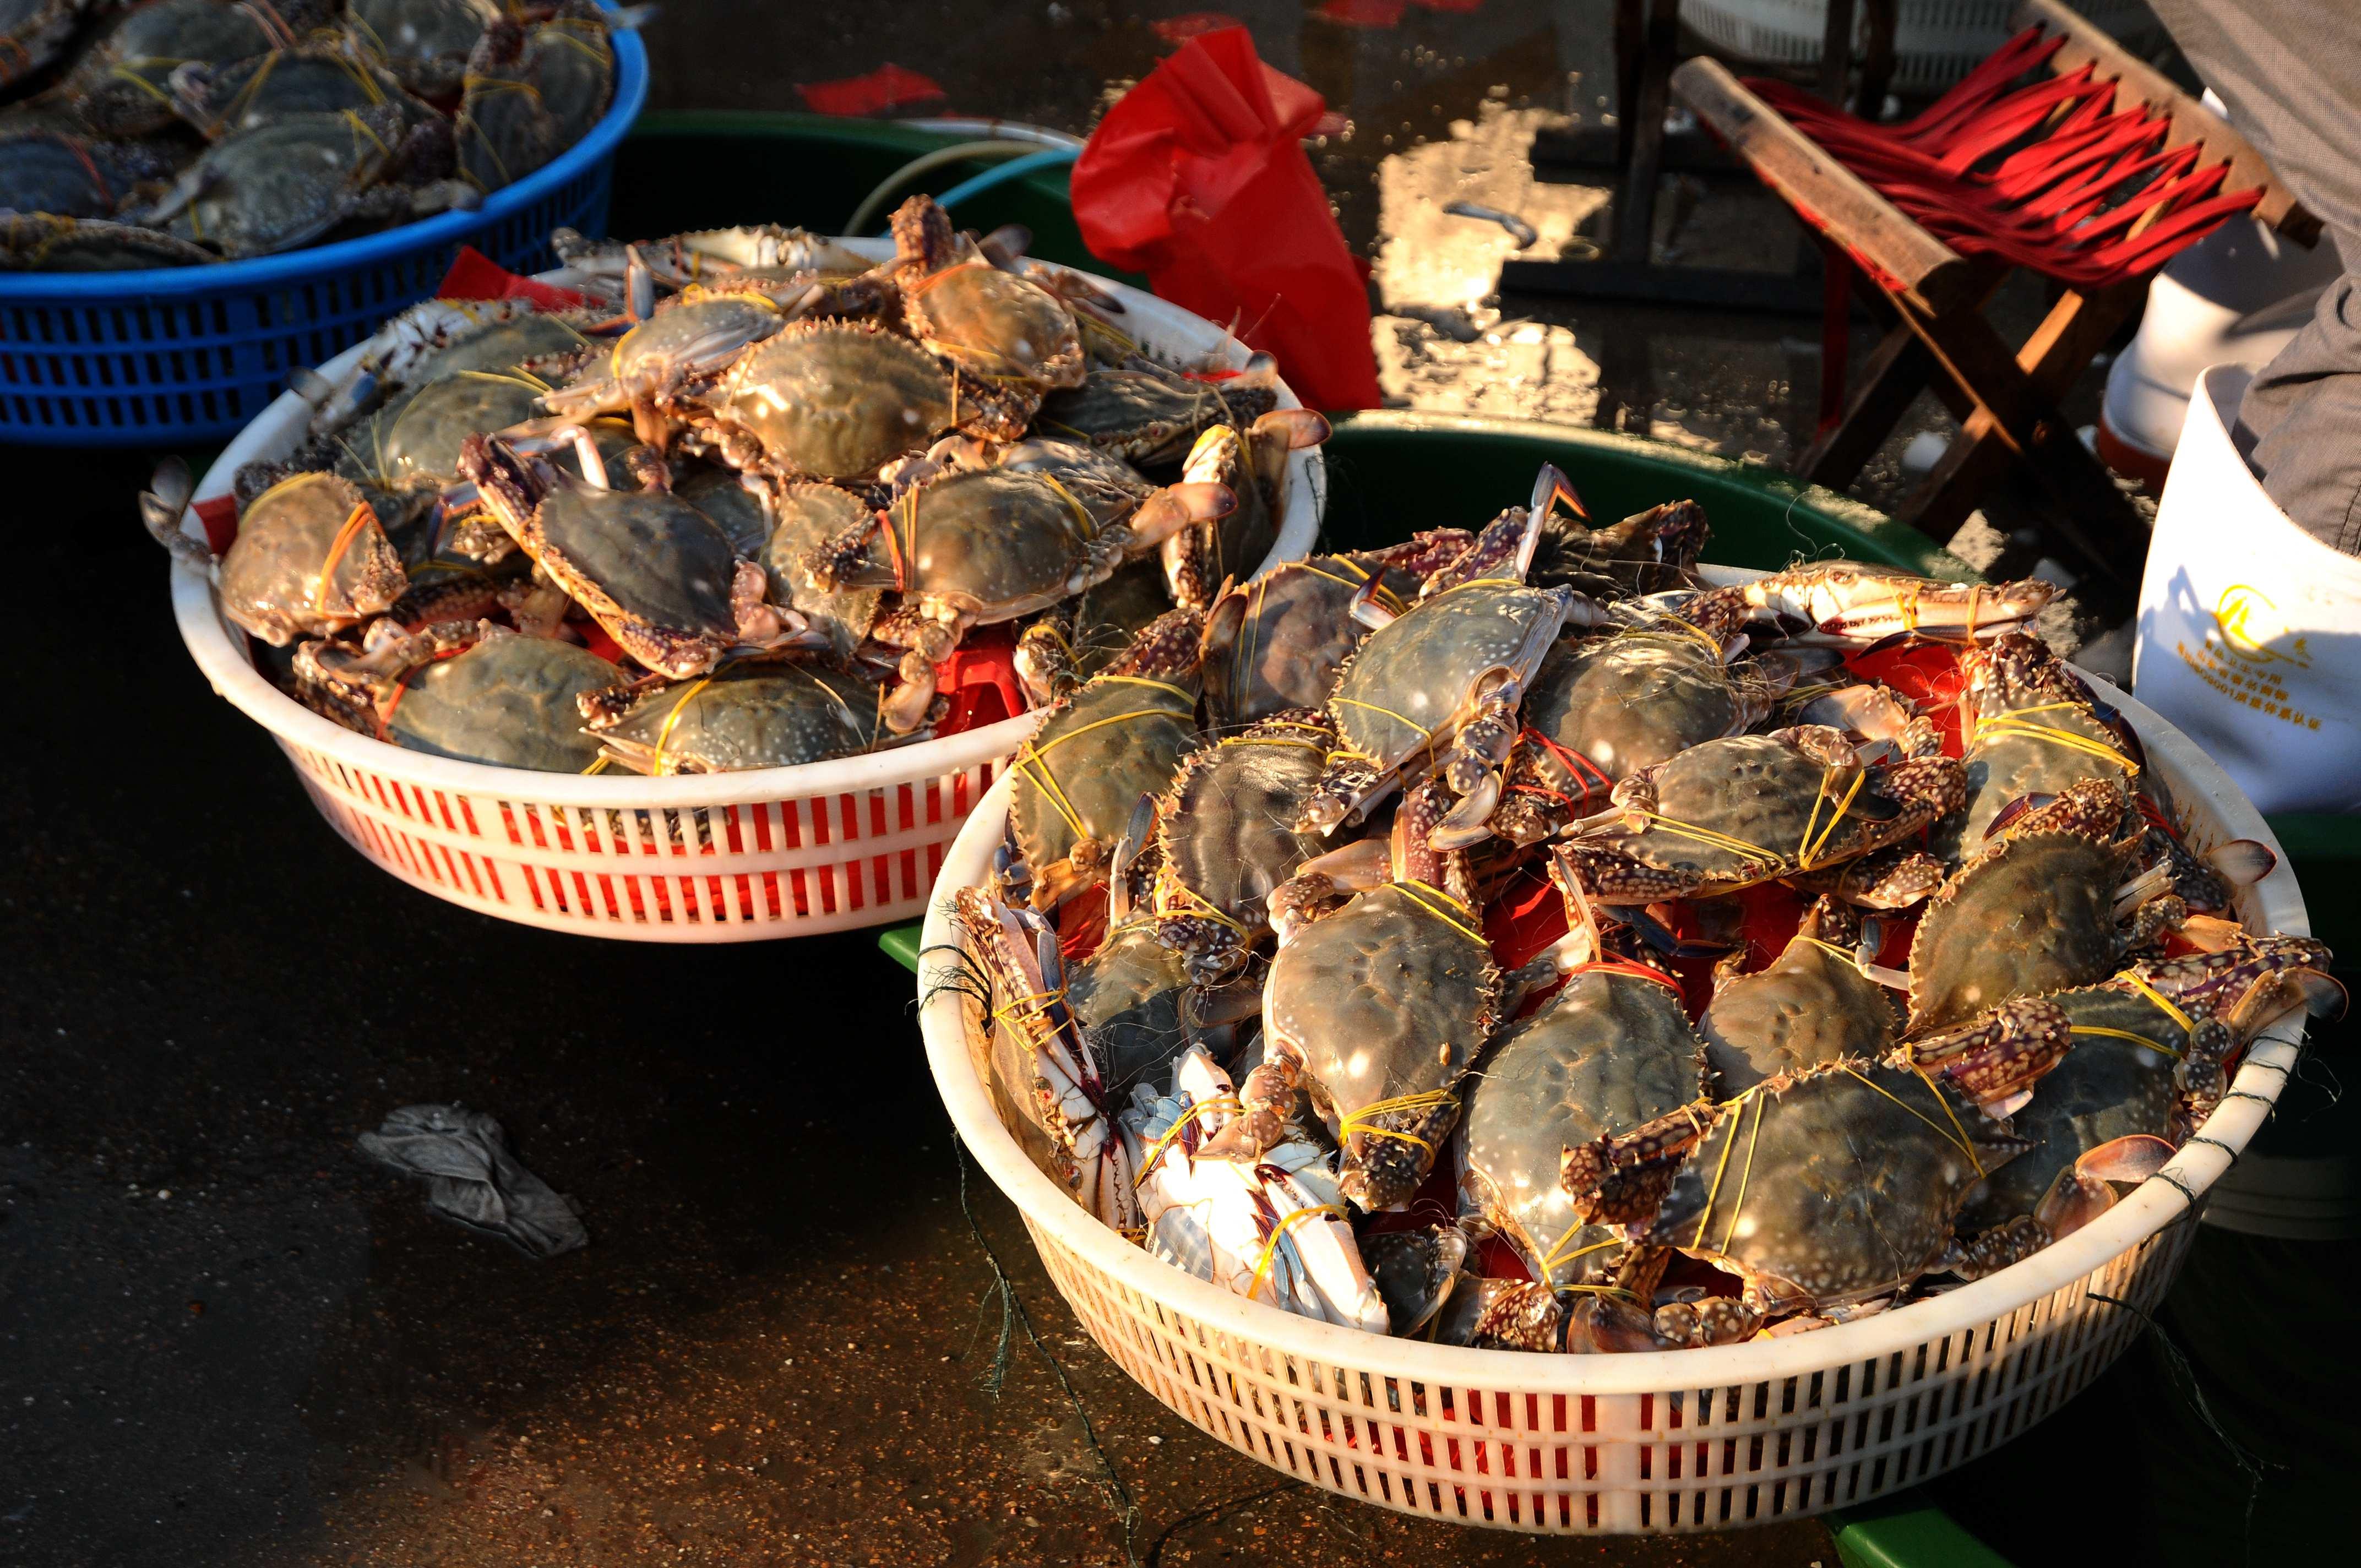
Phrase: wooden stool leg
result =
(2017, 416)
(1896, 371)
(1635, 204)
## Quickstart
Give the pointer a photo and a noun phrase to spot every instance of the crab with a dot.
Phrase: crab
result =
(220, 99)
(972, 547)
(1272, 1230)
(1041, 1070)
(1224, 840)
(1602, 708)
(1650, 552)
(1147, 414)
(2042, 911)
(34, 33)
(1071, 641)
(310, 558)
(1824, 1190)
(2144, 1070)
(2030, 729)
(649, 567)
(475, 691)
(1377, 1008)
(430, 341)
(1612, 1051)
(769, 250)
(986, 320)
(1436, 689)
(426, 43)
(1278, 642)
(37, 242)
(763, 713)
(286, 184)
(413, 442)
(1251, 463)
(1814, 1004)
(119, 86)
(1853, 604)
(688, 342)
(62, 175)
(1080, 777)
(530, 92)
(1732, 812)
(809, 515)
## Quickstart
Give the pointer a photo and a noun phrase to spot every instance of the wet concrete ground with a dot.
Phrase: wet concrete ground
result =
(225, 1339)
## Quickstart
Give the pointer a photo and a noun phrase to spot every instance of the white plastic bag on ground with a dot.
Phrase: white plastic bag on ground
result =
(2249, 628)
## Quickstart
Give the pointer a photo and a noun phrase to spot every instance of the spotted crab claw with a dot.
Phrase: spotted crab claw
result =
(2080, 1195)
(162, 506)
(1997, 1057)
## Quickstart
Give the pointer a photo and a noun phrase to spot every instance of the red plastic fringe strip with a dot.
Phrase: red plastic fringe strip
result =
(2042, 173)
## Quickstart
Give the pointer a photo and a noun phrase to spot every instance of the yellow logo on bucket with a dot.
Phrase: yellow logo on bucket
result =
(2249, 623)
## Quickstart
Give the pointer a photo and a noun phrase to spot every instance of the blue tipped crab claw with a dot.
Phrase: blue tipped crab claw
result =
(1552, 486)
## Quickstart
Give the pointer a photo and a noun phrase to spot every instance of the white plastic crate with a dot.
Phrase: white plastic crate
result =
(1936, 42)
(1668, 1441)
(710, 858)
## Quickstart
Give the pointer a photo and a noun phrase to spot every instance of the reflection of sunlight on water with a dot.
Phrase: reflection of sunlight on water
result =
(1441, 343)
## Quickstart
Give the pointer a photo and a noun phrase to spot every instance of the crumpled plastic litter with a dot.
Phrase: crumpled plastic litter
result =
(472, 1178)
(1197, 178)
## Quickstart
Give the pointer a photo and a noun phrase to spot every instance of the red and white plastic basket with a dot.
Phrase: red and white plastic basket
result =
(1663, 1442)
(709, 857)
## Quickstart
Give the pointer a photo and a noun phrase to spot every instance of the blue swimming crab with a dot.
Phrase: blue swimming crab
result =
(1377, 1008)
(773, 713)
(1436, 690)
(1854, 604)
(1279, 641)
(1149, 414)
(1251, 461)
(1814, 1004)
(475, 691)
(310, 558)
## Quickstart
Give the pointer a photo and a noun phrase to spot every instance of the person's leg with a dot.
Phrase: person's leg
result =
(2304, 413)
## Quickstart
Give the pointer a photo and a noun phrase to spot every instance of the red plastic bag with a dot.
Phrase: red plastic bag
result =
(1196, 179)
(474, 275)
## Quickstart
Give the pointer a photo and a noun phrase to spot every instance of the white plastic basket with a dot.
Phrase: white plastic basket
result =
(710, 858)
(1668, 1441)
(1936, 42)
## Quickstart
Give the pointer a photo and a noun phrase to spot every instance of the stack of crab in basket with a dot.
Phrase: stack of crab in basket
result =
(1500, 939)
(188, 131)
(749, 523)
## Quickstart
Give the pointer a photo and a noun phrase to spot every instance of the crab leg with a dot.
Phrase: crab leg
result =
(1996, 1057)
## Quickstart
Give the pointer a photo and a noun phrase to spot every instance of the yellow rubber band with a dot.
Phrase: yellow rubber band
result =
(664, 736)
(1808, 848)
(1187, 1119)
(1738, 1206)
(1028, 761)
(1553, 1259)
(1424, 1100)
(1713, 1193)
(1414, 890)
(1270, 1247)
(2012, 725)
(2169, 1008)
(2156, 1046)
(1186, 696)
(1755, 853)
(1425, 735)
(1964, 1147)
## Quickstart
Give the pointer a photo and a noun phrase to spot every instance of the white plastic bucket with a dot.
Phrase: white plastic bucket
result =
(692, 858)
(2249, 628)
(1677, 1441)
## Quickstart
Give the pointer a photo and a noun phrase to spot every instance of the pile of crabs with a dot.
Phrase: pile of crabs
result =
(749, 518)
(1510, 939)
(176, 131)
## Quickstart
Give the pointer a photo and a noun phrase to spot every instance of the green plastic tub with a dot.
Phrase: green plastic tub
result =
(711, 169)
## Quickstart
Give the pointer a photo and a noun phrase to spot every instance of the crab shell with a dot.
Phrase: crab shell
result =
(1637, 699)
(996, 544)
(310, 558)
(36, 35)
(652, 569)
(1225, 835)
(1108, 615)
(1606, 1055)
(1809, 1006)
(1392, 995)
(119, 86)
(1416, 1272)
(415, 439)
(995, 324)
(837, 400)
(508, 701)
(1131, 998)
(2009, 756)
(1278, 642)
(251, 92)
(1765, 792)
(1081, 774)
(285, 184)
(1831, 1187)
(2034, 916)
(742, 515)
(38, 242)
(757, 716)
(424, 42)
(1415, 680)
(808, 516)
(1146, 416)
(1650, 552)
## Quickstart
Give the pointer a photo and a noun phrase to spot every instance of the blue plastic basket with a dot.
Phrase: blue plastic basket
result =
(185, 354)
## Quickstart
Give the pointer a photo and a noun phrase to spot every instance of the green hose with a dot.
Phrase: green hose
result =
(870, 205)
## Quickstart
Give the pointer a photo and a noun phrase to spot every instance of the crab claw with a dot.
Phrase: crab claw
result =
(1296, 428)
(1177, 507)
(160, 508)
(2081, 1193)
(1551, 485)
(1997, 1055)
(1260, 1125)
